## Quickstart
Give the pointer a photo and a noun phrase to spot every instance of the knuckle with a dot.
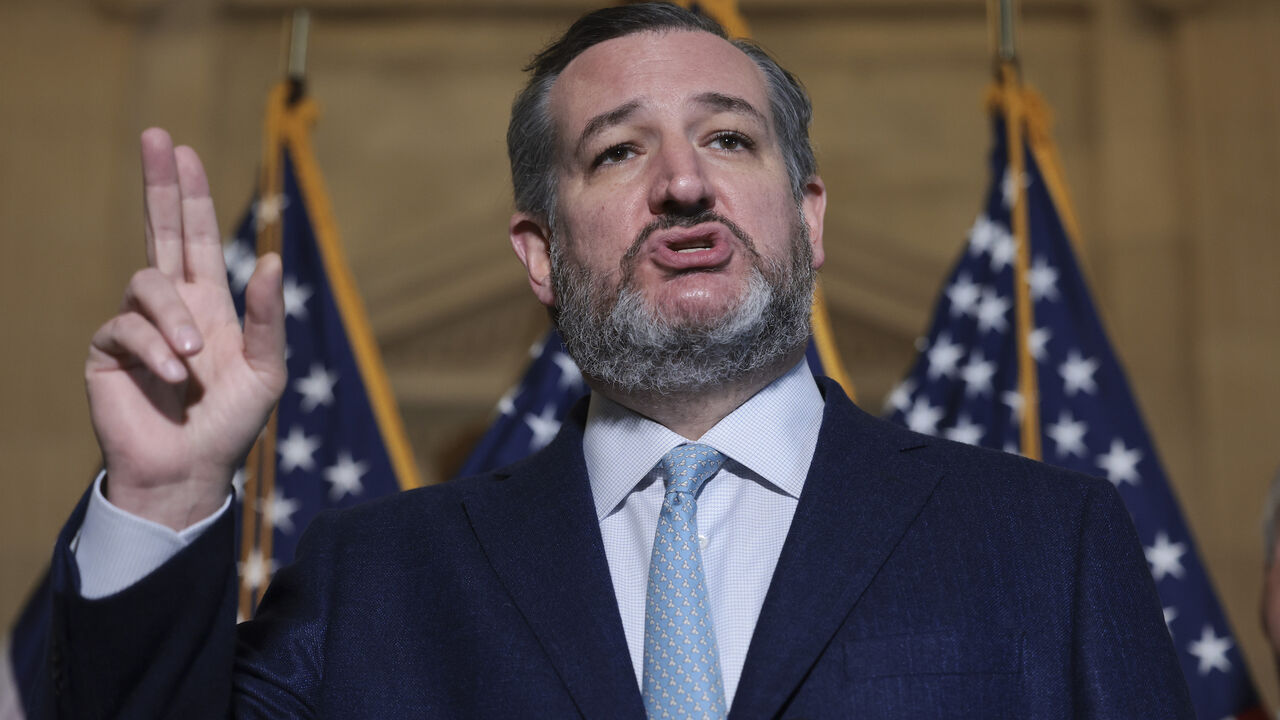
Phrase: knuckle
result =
(113, 327)
(103, 332)
(147, 283)
(129, 327)
(143, 277)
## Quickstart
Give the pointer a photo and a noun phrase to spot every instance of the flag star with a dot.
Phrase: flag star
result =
(1121, 463)
(536, 349)
(296, 450)
(1170, 614)
(344, 476)
(317, 388)
(923, 417)
(1002, 252)
(256, 570)
(240, 263)
(1043, 279)
(570, 375)
(977, 375)
(1012, 448)
(1037, 340)
(279, 510)
(943, 357)
(544, 427)
(1166, 557)
(507, 403)
(964, 294)
(237, 482)
(1211, 651)
(1077, 374)
(991, 312)
(1069, 434)
(965, 431)
(983, 234)
(1013, 399)
(295, 299)
(268, 210)
(900, 398)
(1009, 186)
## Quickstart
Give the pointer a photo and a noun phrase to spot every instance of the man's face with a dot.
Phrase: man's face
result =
(673, 198)
(656, 127)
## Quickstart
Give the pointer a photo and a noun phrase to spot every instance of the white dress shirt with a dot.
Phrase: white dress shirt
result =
(744, 511)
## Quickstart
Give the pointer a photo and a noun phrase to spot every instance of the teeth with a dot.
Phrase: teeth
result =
(692, 249)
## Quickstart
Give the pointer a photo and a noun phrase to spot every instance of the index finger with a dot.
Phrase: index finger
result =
(162, 203)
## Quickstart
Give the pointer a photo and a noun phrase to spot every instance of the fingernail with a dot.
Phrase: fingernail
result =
(173, 370)
(187, 338)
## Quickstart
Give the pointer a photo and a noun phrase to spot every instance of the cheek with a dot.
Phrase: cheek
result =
(767, 215)
(603, 232)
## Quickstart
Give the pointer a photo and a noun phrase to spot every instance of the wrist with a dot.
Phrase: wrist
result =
(175, 505)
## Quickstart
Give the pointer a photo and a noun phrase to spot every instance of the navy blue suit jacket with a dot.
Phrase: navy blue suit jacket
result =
(920, 578)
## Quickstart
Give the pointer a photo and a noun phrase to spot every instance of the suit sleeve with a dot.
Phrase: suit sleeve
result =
(1125, 665)
(161, 648)
(168, 646)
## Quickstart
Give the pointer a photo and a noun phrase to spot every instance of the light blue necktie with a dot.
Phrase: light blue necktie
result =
(681, 661)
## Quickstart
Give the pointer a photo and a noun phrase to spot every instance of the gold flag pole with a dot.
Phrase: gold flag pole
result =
(1002, 14)
(1003, 17)
(298, 35)
(257, 526)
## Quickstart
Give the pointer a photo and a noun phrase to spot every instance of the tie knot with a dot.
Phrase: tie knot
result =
(686, 467)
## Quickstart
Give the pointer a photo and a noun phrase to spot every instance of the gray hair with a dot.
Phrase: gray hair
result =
(531, 141)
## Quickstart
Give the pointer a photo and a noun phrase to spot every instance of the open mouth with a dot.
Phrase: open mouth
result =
(693, 244)
(705, 247)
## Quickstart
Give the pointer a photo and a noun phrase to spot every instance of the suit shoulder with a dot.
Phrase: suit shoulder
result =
(408, 512)
(979, 468)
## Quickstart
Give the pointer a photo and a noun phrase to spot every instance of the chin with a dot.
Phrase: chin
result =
(703, 307)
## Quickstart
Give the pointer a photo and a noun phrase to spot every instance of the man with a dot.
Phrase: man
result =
(716, 532)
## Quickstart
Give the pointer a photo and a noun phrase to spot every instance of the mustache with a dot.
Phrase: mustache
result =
(666, 222)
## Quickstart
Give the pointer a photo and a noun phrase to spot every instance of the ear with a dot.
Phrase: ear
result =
(813, 204)
(531, 239)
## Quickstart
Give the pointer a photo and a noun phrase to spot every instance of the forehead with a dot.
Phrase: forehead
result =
(656, 69)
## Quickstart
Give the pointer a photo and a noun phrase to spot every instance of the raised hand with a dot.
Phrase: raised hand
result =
(177, 391)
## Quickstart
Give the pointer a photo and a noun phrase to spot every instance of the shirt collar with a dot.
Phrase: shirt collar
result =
(772, 435)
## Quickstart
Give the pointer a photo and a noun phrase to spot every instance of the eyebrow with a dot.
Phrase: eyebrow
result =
(605, 120)
(719, 102)
(732, 104)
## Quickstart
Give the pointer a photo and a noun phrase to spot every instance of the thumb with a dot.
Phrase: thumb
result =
(264, 320)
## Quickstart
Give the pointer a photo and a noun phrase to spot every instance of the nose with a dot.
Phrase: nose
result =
(680, 184)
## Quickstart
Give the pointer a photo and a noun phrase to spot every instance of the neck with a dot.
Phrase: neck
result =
(691, 413)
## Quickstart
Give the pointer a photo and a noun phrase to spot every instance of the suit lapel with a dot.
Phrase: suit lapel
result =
(538, 529)
(859, 499)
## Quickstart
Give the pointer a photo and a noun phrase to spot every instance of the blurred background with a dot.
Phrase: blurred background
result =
(1167, 118)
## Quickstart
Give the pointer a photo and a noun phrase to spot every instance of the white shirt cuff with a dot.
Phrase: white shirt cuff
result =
(115, 549)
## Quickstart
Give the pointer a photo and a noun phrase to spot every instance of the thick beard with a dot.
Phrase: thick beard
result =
(618, 339)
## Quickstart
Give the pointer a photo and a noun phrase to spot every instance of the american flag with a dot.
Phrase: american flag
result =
(964, 386)
(336, 431)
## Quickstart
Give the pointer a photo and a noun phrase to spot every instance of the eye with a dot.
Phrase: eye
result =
(732, 141)
(614, 155)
